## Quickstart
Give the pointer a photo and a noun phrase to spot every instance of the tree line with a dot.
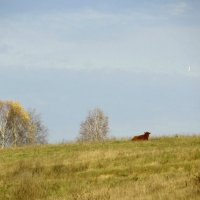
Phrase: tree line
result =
(19, 126)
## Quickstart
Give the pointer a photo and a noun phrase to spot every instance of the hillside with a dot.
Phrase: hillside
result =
(162, 168)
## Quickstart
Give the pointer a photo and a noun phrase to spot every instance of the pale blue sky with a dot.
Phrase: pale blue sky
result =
(53, 53)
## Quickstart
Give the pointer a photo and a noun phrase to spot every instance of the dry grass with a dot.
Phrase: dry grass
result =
(162, 168)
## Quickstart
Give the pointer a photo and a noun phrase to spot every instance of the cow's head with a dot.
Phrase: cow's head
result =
(147, 133)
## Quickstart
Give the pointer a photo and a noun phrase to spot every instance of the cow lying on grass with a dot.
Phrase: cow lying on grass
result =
(145, 136)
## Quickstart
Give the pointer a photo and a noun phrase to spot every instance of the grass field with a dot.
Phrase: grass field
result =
(161, 168)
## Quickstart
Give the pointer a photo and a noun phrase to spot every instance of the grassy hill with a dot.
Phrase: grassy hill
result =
(162, 168)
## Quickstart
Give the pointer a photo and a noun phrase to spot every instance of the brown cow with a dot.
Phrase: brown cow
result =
(145, 136)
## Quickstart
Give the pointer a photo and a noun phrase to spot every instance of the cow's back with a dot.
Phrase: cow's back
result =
(145, 136)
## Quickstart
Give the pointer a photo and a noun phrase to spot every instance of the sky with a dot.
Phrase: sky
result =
(136, 60)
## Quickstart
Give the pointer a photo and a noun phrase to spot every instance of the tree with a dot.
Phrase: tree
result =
(4, 110)
(14, 123)
(95, 127)
(17, 126)
(40, 132)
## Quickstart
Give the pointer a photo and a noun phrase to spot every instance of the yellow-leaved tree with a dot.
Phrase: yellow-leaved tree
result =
(17, 126)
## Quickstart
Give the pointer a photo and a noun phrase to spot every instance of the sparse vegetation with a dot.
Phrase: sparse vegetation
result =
(162, 168)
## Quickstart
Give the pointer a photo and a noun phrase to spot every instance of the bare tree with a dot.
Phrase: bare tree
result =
(39, 131)
(95, 127)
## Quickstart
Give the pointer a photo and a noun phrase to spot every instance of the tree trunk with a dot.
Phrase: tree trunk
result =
(3, 139)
